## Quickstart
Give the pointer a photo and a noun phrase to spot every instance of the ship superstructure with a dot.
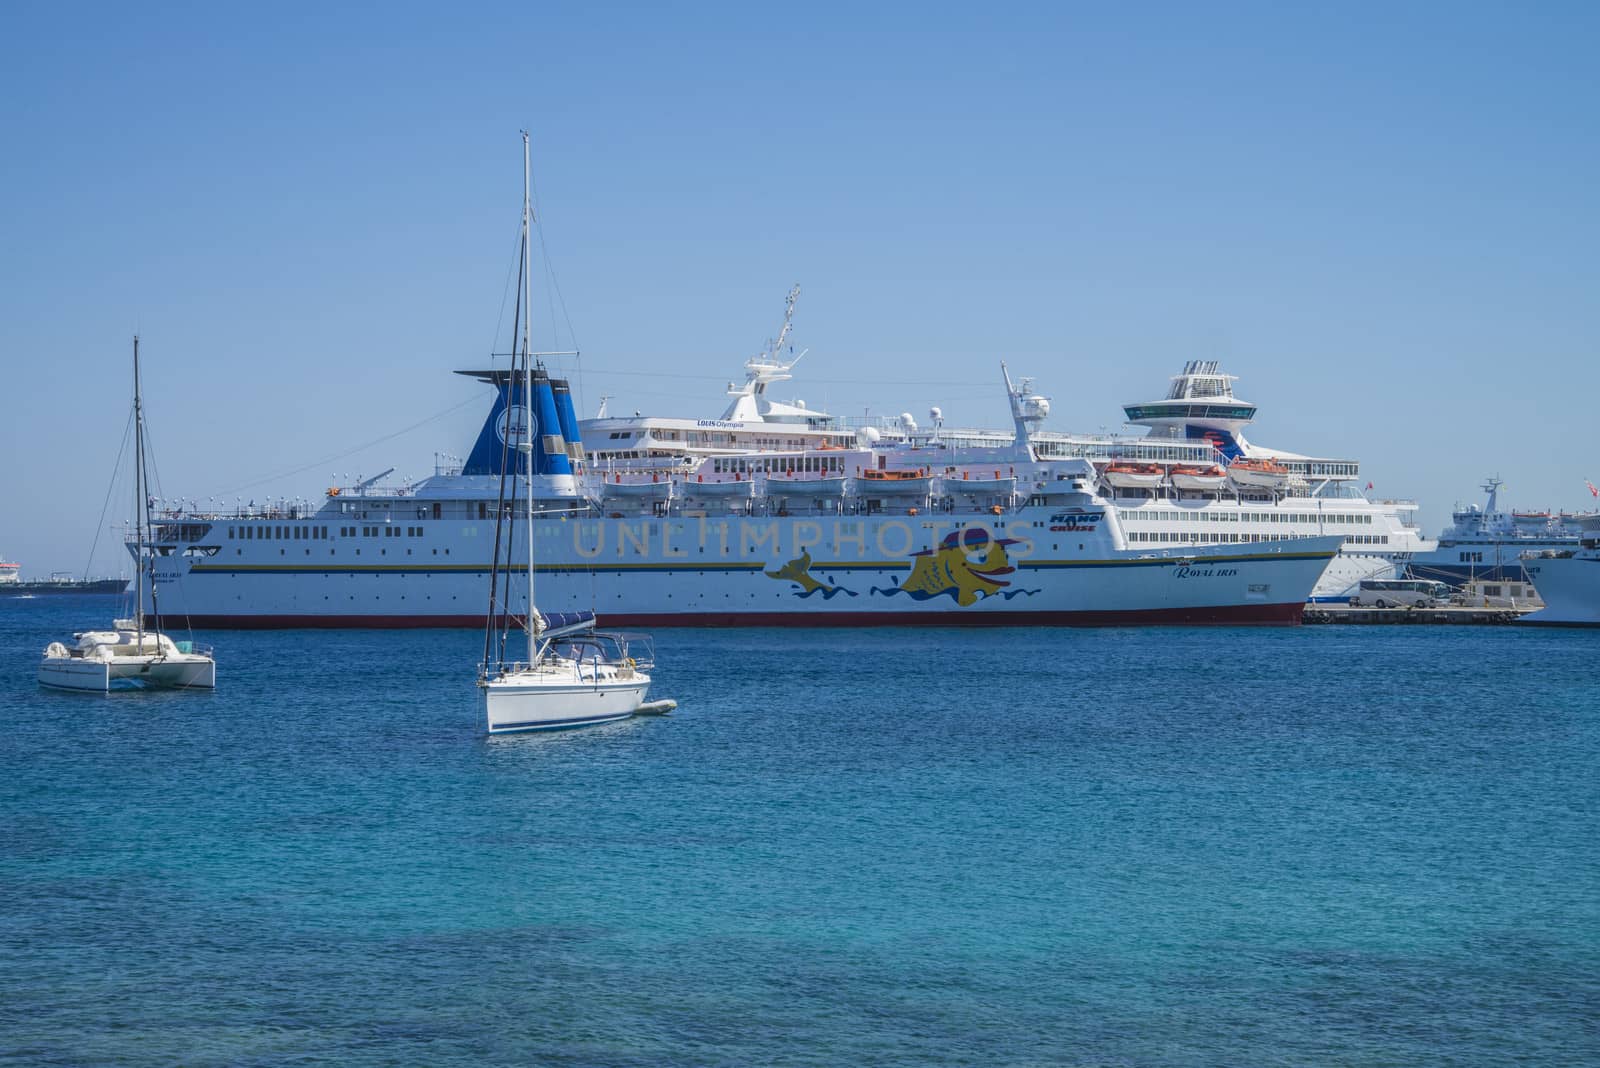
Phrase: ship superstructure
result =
(1487, 544)
(1192, 478)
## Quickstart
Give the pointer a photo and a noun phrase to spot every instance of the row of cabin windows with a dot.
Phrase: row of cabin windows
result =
(820, 464)
(279, 533)
(276, 533)
(1198, 537)
(1472, 558)
(1335, 518)
(631, 454)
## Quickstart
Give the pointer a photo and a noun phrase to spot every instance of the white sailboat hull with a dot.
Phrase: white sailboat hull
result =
(129, 673)
(558, 697)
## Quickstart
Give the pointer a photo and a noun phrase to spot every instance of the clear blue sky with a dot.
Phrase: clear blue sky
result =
(1382, 217)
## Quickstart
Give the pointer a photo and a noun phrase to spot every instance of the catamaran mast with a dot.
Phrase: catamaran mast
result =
(139, 509)
(527, 386)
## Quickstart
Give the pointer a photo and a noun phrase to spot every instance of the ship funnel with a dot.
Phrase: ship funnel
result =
(506, 434)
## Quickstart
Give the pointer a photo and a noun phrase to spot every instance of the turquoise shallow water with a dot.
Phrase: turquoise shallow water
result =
(1352, 846)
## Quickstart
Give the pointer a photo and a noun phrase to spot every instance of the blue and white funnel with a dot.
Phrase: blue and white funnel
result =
(504, 434)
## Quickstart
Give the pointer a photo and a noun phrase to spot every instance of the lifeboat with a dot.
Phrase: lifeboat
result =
(656, 488)
(907, 483)
(814, 486)
(1210, 477)
(1530, 520)
(722, 488)
(980, 484)
(1258, 474)
(1133, 476)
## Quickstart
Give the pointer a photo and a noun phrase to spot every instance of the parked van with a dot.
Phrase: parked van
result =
(1398, 593)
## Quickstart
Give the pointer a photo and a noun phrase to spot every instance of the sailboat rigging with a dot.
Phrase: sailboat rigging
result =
(136, 654)
(573, 675)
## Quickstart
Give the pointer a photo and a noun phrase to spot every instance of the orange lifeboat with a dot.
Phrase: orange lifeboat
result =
(1258, 474)
(1208, 477)
(1125, 475)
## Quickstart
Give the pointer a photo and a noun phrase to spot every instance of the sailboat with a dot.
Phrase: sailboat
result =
(572, 675)
(135, 654)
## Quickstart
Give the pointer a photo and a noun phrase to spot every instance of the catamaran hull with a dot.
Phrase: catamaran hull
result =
(127, 673)
(539, 706)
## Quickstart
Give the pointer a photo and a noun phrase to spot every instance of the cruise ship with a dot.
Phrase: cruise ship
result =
(1487, 544)
(835, 528)
(1192, 478)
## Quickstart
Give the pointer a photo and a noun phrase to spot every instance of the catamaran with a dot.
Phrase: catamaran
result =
(135, 653)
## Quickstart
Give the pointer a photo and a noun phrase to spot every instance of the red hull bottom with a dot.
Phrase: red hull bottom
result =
(1276, 615)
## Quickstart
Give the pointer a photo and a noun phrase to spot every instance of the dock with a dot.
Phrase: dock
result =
(1327, 613)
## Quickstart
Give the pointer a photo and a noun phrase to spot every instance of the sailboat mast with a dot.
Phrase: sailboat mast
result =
(527, 385)
(138, 503)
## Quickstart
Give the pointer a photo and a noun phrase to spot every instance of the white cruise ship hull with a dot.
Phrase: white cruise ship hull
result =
(1569, 587)
(744, 571)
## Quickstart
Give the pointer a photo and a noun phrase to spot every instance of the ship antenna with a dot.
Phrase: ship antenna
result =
(788, 325)
(1019, 417)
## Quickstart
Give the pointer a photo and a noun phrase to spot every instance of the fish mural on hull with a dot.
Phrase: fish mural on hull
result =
(798, 571)
(966, 566)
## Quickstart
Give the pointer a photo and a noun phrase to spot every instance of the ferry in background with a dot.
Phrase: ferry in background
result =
(11, 584)
(1488, 544)
(1192, 479)
(1568, 580)
(841, 534)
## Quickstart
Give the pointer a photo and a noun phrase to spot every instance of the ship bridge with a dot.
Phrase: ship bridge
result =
(1200, 399)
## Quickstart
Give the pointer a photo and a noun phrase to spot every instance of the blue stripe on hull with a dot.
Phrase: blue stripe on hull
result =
(558, 724)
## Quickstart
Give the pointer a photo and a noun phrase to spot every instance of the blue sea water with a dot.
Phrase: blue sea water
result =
(1314, 846)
